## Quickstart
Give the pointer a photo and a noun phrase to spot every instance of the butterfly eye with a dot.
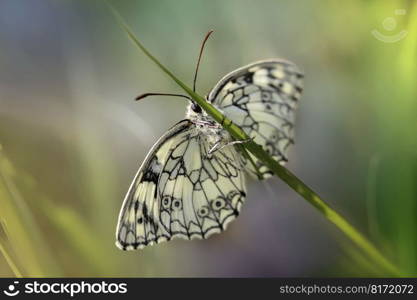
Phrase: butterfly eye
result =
(196, 108)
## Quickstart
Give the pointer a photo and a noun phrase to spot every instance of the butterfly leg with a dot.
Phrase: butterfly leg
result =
(217, 146)
(220, 145)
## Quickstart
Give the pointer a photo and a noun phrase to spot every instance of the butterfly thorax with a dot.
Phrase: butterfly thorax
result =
(210, 129)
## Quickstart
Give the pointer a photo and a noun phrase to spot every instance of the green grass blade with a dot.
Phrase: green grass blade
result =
(5, 253)
(10, 262)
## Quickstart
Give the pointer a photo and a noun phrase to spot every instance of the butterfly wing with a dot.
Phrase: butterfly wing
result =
(180, 191)
(261, 98)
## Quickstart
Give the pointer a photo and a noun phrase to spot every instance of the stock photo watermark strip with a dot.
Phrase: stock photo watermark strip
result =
(84, 288)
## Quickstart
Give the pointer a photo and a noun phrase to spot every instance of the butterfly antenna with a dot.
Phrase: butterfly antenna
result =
(140, 97)
(199, 57)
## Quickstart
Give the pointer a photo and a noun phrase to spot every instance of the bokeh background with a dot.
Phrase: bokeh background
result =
(72, 137)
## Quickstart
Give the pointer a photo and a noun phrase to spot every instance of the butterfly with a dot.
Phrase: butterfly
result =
(192, 182)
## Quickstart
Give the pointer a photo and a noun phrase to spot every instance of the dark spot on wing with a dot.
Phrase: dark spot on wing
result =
(150, 176)
(152, 172)
(248, 78)
(298, 89)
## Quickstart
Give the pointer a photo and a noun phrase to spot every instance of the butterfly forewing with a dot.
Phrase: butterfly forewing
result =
(261, 98)
(181, 191)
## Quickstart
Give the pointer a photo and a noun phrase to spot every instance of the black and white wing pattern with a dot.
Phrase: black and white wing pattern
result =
(180, 191)
(261, 98)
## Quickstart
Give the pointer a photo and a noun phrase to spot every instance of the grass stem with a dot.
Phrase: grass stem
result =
(10, 262)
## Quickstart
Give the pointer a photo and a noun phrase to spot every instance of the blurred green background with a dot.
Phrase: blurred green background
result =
(72, 137)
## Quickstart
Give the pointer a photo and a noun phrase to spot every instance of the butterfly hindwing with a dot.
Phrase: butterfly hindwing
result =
(181, 191)
(198, 191)
(261, 98)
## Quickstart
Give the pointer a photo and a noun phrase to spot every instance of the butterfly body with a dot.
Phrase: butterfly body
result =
(192, 182)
